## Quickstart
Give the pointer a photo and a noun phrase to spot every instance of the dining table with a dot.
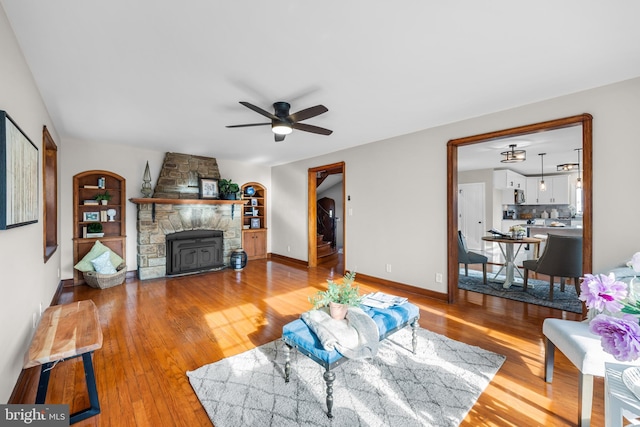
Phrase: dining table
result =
(510, 247)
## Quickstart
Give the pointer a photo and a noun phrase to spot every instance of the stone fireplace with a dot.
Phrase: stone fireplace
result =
(177, 209)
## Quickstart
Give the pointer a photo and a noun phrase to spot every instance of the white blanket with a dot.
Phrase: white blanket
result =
(356, 337)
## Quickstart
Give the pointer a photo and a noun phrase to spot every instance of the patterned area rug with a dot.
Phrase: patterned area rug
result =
(435, 387)
(537, 294)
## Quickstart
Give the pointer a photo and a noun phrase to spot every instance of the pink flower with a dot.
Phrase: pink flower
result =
(602, 292)
(635, 262)
(619, 337)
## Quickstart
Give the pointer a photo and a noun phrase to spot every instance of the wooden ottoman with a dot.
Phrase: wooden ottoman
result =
(297, 335)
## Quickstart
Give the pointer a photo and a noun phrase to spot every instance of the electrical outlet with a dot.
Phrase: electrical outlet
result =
(438, 277)
(40, 309)
(288, 248)
(388, 268)
(350, 211)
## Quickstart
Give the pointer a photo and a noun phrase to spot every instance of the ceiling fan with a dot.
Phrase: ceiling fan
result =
(282, 123)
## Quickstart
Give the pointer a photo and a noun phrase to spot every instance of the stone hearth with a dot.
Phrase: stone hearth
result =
(172, 218)
(161, 215)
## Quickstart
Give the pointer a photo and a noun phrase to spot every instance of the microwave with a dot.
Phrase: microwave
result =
(518, 196)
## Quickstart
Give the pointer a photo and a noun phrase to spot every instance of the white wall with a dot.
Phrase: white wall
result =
(26, 280)
(129, 162)
(399, 216)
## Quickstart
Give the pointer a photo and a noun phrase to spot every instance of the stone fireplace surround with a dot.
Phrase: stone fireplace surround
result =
(175, 207)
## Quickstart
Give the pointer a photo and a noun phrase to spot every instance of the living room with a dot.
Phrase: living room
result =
(417, 160)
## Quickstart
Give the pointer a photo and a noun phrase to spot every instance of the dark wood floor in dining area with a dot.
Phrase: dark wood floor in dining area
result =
(156, 330)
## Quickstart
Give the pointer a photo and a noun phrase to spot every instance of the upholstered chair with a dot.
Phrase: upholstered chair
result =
(562, 257)
(467, 257)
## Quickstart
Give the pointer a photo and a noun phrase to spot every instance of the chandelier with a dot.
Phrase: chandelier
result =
(513, 155)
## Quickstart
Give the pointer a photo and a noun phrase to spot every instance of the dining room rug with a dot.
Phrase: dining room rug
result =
(435, 387)
(537, 291)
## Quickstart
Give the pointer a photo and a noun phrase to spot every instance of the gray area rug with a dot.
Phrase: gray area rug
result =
(435, 387)
(538, 294)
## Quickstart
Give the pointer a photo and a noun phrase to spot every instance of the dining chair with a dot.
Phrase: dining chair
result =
(467, 257)
(562, 257)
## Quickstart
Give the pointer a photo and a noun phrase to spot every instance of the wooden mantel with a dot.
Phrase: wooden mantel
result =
(157, 201)
(149, 200)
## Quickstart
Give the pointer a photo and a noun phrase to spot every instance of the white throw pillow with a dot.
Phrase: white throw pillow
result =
(103, 265)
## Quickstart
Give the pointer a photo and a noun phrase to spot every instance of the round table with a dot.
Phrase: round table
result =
(507, 247)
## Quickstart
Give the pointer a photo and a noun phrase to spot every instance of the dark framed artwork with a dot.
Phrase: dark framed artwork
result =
(208, 188)
(18, 175)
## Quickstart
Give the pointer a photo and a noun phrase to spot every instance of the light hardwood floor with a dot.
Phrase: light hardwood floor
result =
(156, 330)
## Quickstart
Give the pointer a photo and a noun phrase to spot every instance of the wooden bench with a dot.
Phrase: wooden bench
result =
(65, 332)
(297, 335)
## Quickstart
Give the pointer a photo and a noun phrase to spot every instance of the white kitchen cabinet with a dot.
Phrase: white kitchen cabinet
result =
(506, 179)
(557, 192)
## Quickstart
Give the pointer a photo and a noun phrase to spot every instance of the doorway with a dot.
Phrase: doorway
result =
(327, 182)
(583, 120)
(471, 208)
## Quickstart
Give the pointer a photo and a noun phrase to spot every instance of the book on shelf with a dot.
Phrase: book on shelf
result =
(84, 231)
(90, 202)
(89, 235)
(382, 300)
(103, 216)
(91, 186)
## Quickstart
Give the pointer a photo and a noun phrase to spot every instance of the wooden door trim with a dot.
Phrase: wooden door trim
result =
(452, 185)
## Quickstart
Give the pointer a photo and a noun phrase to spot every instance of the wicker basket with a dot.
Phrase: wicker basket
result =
(104, 281)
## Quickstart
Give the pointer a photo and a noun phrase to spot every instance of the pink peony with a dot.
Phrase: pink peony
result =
(602, 292)
(620, 337)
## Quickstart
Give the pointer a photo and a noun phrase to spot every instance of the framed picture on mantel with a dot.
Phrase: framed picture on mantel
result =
(208, 188)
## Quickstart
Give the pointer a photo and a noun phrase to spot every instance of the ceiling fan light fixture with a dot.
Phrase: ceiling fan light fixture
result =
(281, 128)
(513, 155)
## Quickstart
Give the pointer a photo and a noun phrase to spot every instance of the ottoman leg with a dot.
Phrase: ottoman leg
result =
(329, 377)
(287, 362)
(414, 334)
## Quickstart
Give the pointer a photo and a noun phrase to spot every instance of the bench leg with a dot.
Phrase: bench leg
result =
(287, 362)
(90, 378)
(329, 377)
(549, 352)
(414, 334)
(43, 384)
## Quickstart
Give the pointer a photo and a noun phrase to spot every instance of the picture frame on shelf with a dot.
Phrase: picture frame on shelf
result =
(18, 176)
(208, 188)
(255, 222)
(91, 216)
(254, 202)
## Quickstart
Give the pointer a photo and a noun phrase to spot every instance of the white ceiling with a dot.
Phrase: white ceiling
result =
(168, 75)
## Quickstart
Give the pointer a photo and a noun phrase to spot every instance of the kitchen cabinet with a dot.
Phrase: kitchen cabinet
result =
(557, 192)
(506, 179)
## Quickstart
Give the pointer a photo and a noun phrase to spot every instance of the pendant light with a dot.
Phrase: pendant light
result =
(513, 155)
(543, 186)
(579, 180)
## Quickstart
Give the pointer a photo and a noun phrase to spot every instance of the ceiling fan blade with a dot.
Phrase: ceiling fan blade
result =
(279, 138)
(247, 125)
(307, 113)
(259, 110)
(311, 128)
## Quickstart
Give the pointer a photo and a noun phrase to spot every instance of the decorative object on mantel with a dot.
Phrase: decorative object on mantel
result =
(208, 188)
(146, 182)
(228, 189)
(338, 296)
(614, 309)
(513, 155)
